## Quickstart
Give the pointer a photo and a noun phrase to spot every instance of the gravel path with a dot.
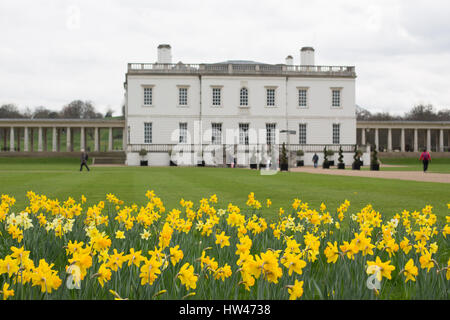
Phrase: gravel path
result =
(402, 175)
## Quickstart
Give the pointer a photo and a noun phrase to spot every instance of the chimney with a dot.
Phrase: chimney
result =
(289, 60)
(307, 56)
(164, 53)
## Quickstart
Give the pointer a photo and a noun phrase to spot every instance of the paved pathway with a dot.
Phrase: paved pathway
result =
(402, 175)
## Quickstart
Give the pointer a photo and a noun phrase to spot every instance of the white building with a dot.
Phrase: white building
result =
(236, 108)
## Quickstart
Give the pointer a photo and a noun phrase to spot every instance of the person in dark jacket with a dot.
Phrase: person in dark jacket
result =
(84, 158)
(425, 157)
(315, 159)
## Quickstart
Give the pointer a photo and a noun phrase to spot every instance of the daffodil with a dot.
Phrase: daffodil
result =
(187, 276)
(381, 269)
(222, 239)
(410, 271)
(6, 292)
(295, 291)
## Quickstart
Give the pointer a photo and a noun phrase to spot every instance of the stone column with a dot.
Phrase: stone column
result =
(68, 140)
(25, 139)
(11, 139)
(428, 139)
(96, 140)
(389, 139)
(82, 141)
(377, 142)
(441, 140)
(416, 141)
(363, 136)
(40, 139)
(402, 140)
(110, 139)
(54, 139)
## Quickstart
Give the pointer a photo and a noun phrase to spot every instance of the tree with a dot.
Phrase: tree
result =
(422, 113)
(78, 109)
(109, 113)
(44, 113)
(341, 155)
(325, 157)
(283, 158)
(10, 111)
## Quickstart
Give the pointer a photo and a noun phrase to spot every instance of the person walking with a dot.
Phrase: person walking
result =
(425, 157)
(315, 159)
(84, 158)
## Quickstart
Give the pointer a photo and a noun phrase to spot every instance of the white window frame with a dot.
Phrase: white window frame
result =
(339, 100)
(244, 133)
(271, 133)
(274, 96)
(183, 132)
(213, 98)
(336, 134)
(302, 133)
(299, 105)
(216, 133)
(152, 95)
(180, 89)
(148, 132)
(243, 98)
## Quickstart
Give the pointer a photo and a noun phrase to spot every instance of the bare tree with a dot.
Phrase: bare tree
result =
(78, 109)
(10, 111)
(44, 113)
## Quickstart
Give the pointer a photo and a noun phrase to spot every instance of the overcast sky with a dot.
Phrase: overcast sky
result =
(56, 51)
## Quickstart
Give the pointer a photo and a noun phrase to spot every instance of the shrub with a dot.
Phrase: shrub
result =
(325, 155)
(283, 156)
(143, 152)
(374, 157)
(341, 156)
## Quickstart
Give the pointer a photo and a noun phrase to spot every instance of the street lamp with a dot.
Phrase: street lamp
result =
(288, 132)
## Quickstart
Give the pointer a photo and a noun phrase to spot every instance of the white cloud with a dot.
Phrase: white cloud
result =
(49, 55)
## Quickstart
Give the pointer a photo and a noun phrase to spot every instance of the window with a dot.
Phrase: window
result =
(216, 96)
(216, 137)
(336, 133)
(302, 98)
(183, 132)
(302, 133)
(147, 132)
(148, 96)
(243, 133)
(182, 96)
(336, 98)
(243, 97)
(270, 95)
(270, 133)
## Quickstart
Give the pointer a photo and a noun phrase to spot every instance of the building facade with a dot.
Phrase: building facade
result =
(236, 109)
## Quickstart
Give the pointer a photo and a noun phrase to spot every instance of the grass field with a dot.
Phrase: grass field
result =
(60, 178)
(155, 252)
(441, 165)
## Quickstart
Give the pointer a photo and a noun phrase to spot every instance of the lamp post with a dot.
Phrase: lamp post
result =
(288, 132)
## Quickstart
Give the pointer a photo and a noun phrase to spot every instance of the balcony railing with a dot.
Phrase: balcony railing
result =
(259, 69)
(346, 148)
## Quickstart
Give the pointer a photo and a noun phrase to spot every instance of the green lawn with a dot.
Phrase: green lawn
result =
(441, 165)
(60, 178)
